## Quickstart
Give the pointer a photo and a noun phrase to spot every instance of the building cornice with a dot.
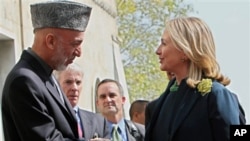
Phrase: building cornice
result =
(107, 8)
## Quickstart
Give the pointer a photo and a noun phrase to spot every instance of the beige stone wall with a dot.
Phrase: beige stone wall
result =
(100, 54)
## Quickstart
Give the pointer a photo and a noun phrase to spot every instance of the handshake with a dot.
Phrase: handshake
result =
(96, 138)
(99, 139)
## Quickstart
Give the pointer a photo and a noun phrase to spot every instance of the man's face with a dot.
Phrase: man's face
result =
(67, 47)
(71, 83)
(109, 100)
(139, 117)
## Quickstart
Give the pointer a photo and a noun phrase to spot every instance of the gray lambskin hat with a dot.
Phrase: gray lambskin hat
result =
(60, 14)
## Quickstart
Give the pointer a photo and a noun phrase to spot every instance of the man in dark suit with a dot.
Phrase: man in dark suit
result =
(91, 125)
(110, 100)
(33, 107)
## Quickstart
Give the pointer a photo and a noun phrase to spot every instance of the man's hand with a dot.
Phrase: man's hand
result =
(99, 139)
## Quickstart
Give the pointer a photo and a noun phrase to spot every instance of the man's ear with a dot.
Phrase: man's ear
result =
(50, 40)
(136, 114)
(123, 99)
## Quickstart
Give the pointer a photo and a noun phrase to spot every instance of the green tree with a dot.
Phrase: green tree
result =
(140, 25)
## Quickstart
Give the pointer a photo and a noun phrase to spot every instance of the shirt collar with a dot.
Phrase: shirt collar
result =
(76, 109)
(122, 126)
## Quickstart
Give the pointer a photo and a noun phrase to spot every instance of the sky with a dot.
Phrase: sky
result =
(229, 21)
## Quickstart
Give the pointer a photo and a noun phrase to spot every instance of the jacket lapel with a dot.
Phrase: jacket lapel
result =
(130, 137)
(54, 92)
(188, 101)
(65, 103)
(69, 107)
(37, 67)
(157, 109)
(86, 124)
(190, 98)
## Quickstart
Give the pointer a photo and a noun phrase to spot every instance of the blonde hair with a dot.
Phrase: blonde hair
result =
(193, 36)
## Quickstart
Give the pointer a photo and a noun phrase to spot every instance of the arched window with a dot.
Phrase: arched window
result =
(94, 95)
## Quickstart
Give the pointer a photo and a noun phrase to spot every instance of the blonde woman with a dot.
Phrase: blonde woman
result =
(196, 106)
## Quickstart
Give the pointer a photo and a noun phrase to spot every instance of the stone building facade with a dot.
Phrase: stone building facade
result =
(100, 53)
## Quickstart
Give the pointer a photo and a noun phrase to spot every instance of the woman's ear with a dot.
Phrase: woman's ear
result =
(184, 57)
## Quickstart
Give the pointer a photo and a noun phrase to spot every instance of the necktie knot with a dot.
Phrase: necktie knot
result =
(76, 114)
(115, 127)
(115, 133)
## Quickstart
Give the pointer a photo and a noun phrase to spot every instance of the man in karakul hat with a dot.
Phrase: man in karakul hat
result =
(33, 106)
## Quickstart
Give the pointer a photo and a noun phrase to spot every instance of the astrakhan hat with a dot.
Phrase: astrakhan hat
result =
(60, 14)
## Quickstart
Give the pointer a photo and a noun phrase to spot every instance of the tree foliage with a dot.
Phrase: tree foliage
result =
(140, 25)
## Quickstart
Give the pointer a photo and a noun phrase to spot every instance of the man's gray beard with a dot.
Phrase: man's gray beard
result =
(61, 67)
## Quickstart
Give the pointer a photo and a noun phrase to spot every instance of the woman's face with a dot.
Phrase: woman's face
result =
(170, 57)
